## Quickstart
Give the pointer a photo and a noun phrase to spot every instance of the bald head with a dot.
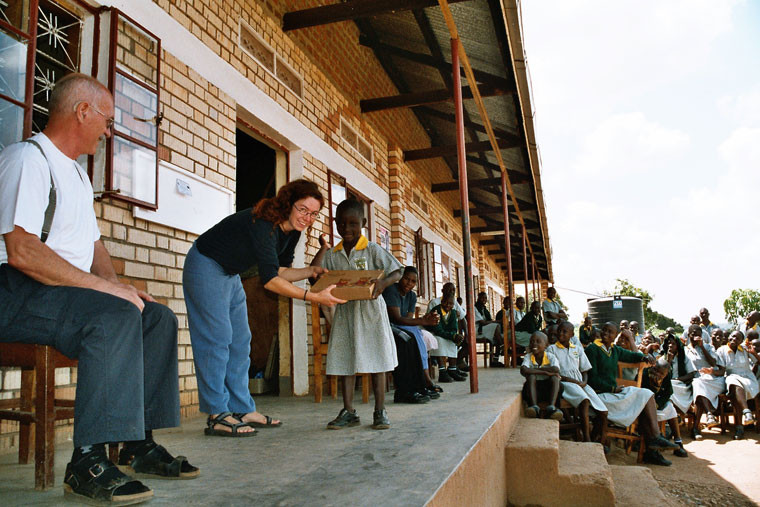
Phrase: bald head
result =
(74, 88)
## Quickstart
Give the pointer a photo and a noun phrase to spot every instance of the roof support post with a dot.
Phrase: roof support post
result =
(525, 263)
(465, 200)
(510, 288)
(533, 277)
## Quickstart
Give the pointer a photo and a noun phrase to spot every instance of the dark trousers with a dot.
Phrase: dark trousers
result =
(408, 376)
(127, 379)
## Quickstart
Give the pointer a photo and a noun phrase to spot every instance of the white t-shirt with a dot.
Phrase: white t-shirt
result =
(24, 191)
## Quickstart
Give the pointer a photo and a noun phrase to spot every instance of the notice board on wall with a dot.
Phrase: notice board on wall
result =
(187, 202)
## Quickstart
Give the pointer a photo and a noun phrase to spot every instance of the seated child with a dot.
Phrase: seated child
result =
(719, 338)
(361, 340)
(635, 329)
(740, 380)
(488, 329)
(648, 344)
(595, 335)
(709, 384)
(551, 333)
(657, 379)
(528, 325)
(448, 339)
(573, 370)
(682, 372)
(624, 404)
(542, 378)
(584, 332)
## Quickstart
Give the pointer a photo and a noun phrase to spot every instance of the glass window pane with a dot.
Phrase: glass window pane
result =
(11, 123)
(137, 53)
(15, 12)
(134, 170)
(134, 103)
(58, 35)
(12, 66)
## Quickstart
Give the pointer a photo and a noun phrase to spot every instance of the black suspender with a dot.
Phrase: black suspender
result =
(52, 196)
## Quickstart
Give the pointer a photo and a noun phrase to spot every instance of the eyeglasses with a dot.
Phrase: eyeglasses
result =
(109, 121)
(304, 212)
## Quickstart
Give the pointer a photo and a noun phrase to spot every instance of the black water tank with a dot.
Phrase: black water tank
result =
(614, 309)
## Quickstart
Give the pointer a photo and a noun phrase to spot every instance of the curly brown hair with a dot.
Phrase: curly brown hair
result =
(277, 209)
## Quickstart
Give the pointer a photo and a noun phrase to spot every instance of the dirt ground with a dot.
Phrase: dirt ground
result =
(718, 472)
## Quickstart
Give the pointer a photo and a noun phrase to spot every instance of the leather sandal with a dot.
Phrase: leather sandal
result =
(153, 461)
(234, 427)
(96, 481)
(268, 424)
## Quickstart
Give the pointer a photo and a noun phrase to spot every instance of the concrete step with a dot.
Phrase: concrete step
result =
(584, 475)
(631, 481)
(543, 470)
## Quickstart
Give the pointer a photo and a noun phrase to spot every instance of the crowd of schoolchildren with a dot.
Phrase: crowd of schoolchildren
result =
(683, 374)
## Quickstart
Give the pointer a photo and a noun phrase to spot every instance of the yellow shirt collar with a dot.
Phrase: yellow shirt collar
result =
(560, 346)
(544, 362)
(360, 245)
(444, 312)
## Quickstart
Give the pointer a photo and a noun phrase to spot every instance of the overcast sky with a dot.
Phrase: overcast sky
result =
(648, 125)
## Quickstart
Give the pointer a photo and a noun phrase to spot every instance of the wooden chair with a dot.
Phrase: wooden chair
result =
(320, 351)
(37, 406)
(486, 351)
(628, 435)
(726, 410)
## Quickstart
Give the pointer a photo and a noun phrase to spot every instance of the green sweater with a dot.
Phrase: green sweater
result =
(603, 373)
(445, 328)
(662, 393)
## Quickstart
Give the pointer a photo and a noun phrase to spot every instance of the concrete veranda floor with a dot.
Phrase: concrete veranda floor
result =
(303, 463)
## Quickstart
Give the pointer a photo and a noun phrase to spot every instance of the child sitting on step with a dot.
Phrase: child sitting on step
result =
(361, 340)
(542, 379)
(573, 370)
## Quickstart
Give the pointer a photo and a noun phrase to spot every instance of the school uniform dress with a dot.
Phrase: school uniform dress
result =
(572, 363)
(444, 331)
(706, 385)
(739, 370)
(526, 327)
(361, 340)
(683, 395)
(543, 387)
(624, 407)
(486, 331)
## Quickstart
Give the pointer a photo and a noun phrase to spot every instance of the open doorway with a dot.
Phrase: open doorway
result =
(261, 169)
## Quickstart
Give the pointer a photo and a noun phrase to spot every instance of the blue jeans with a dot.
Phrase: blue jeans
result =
(219, 332)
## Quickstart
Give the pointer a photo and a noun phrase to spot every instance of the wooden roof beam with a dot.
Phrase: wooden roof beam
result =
(442, 151)
(448, 117)
(483, 210)
(431, 61)
(350, 10)
(427, 97)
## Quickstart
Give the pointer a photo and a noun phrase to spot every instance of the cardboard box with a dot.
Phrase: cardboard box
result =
(351, 285)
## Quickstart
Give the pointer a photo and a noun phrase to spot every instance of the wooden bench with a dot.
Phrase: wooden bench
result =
(37, 406)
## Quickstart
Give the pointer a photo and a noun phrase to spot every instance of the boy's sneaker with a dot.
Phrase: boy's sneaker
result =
(553, 412)
(531, 412)
(456, 376)
(747, 417)
(680, 452)
(711, 421)
(443, 376)
(380, 420)
(344, 420)
(659, 442)
(696, 434)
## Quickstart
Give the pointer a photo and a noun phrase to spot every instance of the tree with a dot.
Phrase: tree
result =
(652, 318)
(740, 303)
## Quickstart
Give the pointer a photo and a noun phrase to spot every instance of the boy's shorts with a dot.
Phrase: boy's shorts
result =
(543, 392)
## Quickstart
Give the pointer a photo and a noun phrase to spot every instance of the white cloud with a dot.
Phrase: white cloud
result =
(743, 110)
(629, 143)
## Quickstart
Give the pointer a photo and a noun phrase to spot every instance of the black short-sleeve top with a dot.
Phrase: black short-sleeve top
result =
(239, 242)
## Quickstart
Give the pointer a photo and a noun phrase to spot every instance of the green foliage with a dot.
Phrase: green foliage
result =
(652, 318)
(740, 303)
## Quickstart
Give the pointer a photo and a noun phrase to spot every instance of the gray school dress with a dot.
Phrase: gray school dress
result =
(682, 393)
(361, 340)
(739, 370)
(706, 385)
(572, 361)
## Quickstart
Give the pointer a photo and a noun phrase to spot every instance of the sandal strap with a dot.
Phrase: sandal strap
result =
(211, 422)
